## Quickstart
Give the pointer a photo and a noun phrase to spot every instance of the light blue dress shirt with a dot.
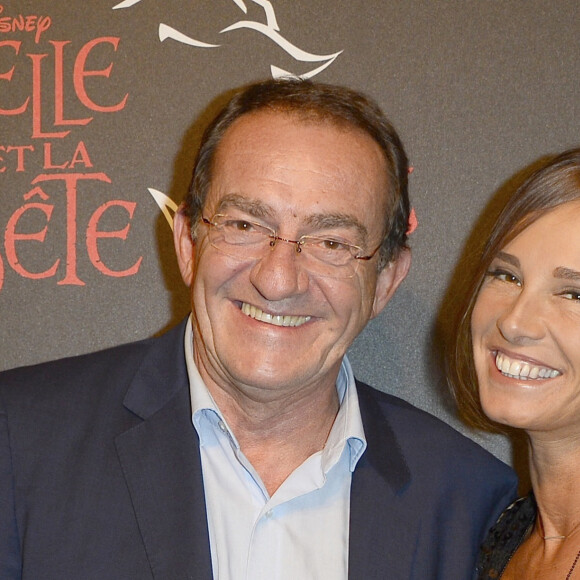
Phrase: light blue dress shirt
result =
(302, 530)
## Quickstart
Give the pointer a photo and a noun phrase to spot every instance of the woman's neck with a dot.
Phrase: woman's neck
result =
(555, 476)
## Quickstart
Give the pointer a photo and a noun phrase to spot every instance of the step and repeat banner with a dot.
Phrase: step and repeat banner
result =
(101, 108)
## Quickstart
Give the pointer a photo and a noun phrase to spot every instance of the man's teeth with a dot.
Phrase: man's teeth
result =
(276, 320)
(518, 369)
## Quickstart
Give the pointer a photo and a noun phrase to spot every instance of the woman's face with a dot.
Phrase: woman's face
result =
(526, 327)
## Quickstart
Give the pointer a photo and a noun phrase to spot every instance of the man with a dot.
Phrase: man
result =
(239, 445)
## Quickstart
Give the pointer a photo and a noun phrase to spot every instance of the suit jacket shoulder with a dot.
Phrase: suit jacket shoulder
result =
(99, 468)
(425, 440)
(423, 495)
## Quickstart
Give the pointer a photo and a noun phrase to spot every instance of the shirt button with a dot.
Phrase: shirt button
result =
(269, 514)
(222, 426)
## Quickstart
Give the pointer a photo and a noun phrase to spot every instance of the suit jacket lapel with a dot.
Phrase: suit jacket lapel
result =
(161, 463)
(381, 544)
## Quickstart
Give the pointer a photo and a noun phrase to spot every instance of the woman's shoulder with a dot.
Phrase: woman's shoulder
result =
(505, 537)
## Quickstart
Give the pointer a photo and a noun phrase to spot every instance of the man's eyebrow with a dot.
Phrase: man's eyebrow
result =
(253, 207)
(323, 221)
(505, 257)
(566, 273)
(326, 221)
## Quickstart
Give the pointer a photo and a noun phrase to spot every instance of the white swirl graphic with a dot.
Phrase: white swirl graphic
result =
(270, 30)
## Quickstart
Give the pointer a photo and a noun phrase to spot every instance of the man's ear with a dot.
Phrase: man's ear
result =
(389, 279)
(184, 244)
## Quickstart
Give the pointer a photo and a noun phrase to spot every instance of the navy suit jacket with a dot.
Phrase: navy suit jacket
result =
(100, 477)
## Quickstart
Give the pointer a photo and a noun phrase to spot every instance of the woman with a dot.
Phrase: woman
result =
(516, 362)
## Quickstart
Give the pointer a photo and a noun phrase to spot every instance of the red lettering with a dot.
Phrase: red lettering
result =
(11, 237)
(93, 234)
(80, 73)
(35, 191)
(30, 25)
(44, 23)
(8, 76)
(19, 154)
(48, 164)
(81, 155)
(71, 180)
(1, 272)
(25, 23)
(37, 100)
(59, 89)
(18, 23)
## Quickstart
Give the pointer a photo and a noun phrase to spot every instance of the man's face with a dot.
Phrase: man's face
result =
(298, 178)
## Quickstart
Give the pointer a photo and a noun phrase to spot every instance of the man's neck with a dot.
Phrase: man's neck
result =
(279, 435)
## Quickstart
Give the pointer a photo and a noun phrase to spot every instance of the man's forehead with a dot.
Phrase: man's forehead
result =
(343, 161)
(256, 127)
(308, 117)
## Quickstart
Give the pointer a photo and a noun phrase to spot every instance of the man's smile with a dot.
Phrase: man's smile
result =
(275, 319)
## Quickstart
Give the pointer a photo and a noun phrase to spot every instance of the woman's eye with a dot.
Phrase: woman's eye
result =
(504, 276)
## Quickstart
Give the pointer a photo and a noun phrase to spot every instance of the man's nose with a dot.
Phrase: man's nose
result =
(280, 273)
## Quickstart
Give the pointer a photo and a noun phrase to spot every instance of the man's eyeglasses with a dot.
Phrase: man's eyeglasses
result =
(246, 240)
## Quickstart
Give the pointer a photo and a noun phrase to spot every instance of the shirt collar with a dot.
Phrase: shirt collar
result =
(347, 427)
(202, 403)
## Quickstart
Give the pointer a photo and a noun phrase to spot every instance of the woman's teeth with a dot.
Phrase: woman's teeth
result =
(518, 369)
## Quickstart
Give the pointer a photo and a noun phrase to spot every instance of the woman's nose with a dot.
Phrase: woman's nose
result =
(522, 319)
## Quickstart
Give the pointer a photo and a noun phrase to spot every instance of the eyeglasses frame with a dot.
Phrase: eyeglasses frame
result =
(275, 237)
